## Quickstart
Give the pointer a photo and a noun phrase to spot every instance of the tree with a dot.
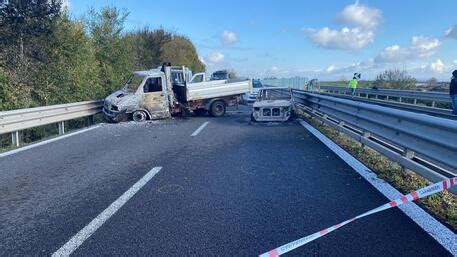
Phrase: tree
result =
(24, 24)
(146, 46)
(111, 48)
(180, 51)
(396, 79)
(24, 27)
(70, 71)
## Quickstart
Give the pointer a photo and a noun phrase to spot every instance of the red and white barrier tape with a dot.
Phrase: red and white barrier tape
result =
(423, 192)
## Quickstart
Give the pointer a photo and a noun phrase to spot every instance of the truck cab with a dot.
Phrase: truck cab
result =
(144, 96)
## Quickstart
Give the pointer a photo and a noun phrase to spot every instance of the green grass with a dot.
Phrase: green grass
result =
(442, 205)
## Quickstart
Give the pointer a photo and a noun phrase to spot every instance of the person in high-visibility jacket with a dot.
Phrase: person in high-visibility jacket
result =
(353, 85)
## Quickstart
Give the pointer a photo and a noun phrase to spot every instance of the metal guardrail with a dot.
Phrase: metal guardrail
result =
(438, 112)
(424, 144)
(17, 120)
(389, 93)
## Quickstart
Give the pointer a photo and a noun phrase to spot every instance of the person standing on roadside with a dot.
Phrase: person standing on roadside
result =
(353, 85)
(453, 92)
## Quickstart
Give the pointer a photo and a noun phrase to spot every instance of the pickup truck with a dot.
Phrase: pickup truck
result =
(161, 93)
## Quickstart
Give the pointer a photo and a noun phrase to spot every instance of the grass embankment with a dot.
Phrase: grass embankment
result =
(442, 205)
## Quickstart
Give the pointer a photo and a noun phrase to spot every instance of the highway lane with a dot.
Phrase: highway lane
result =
(235, 188)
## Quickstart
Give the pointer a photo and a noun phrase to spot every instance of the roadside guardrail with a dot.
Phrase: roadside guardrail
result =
(16, 120)
(434, 97)
(424, 144)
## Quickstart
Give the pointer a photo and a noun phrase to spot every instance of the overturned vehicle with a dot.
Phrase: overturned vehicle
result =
(273, 104)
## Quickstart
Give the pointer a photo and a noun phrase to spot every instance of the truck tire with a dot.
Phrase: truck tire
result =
(139, 116)
(217, 109)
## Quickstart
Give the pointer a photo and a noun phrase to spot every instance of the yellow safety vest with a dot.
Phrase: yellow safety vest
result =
(353, 83)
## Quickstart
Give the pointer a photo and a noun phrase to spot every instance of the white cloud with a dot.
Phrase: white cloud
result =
(424, 46)
(274, 69)
(437, 66)
(455, 62)
(361, 22)
(215, 57)
(451, 32)
(228, 37)
(202, 59)
(360, 16)
(330, 68)
(420, 47)
(346, 38)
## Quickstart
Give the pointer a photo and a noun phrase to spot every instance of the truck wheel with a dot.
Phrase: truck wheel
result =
(217, 109)
(139, 116)
(200, 112)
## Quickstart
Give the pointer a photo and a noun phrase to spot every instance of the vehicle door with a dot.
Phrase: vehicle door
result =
(198, 77)
(154, 97)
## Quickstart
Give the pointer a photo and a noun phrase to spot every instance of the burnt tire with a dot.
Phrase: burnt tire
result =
(200, 112)
(139, 116)
(217, 109)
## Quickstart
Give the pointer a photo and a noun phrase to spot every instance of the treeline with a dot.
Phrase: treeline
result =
(47, 57)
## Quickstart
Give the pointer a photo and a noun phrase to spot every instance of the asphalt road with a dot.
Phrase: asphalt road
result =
(235, 189)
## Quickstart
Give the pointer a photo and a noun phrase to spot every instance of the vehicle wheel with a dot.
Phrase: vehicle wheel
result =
(139, 116)
(217, 109)
(200, 112)
(252, 117)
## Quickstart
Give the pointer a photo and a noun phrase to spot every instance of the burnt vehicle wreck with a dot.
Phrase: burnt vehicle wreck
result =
(273, 104)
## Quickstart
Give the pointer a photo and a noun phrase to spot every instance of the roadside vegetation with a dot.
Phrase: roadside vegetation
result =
(48, 57)
(395, 79)
(442, 205)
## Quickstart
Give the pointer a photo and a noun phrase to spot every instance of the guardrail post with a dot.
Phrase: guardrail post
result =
(415, 101)
(61, 127)
(365, 135)
(15, 138)
(409, 155)
(387, 98)
(325, 116)
(340, 124)
(400, 99)
(376, 96)
(90, 121)
(433, 103)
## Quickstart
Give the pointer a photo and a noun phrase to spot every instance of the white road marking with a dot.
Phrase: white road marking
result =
(434, 228)
(196, 132)
(78, 239)
(47, 141)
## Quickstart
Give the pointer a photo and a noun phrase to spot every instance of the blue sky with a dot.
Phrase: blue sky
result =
(323, 39)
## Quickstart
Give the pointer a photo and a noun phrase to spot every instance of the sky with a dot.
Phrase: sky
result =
(328, 40)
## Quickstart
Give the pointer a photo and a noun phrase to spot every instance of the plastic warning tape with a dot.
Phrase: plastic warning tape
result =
(423, 192)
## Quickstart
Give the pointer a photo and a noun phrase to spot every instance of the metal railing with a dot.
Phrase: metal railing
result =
(438, 112)
(400, 95)
(424, 144)
(17, 120)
